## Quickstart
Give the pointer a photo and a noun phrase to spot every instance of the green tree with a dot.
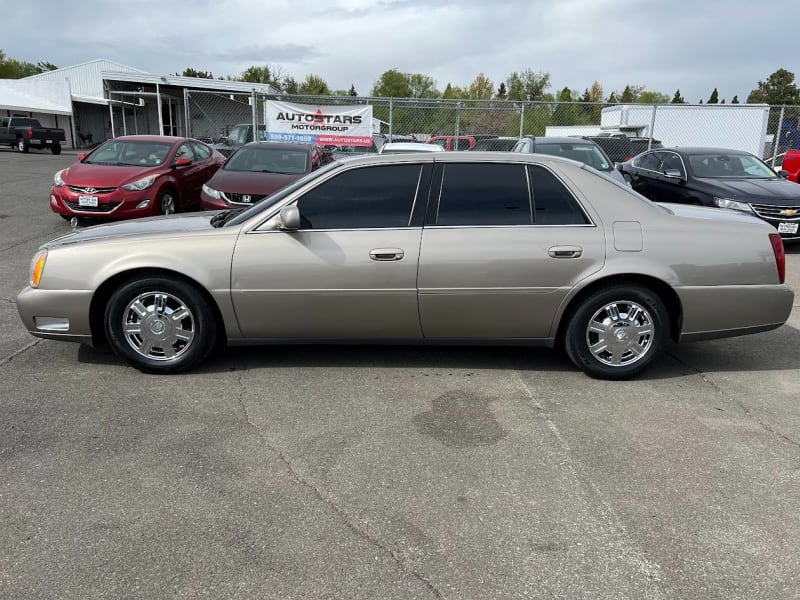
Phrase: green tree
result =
(502, 92)
(527, 85)
(289, 85)
(268, 74)
(714, 98)
(314, 85)
(631, 94)
(481, 88)
(352, 91)
(650, 97)
(677, 98)
(779, 88)
(612, 98)
(392, 84)
(422, 86)
(735, 100)
(454, 92)
(11, 68)
(190, 72)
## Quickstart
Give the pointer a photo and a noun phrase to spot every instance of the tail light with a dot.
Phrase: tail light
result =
(780, 257)
(30, 133)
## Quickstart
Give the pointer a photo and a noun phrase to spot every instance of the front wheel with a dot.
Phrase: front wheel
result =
(159, 325)
(616, 332)
(23, 146)
(166, 204)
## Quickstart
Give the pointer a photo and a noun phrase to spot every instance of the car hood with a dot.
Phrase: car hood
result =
(88, 175)
(764, 191)
(247, 182)
(137, 227)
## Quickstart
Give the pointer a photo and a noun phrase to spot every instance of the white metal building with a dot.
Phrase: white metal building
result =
(100, 99)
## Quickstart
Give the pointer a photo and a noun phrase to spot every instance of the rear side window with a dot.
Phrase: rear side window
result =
(370, 197)
(484, 194)
(553, 203)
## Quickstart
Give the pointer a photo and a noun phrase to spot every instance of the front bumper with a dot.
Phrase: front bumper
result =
(56, 314)
(117, 204)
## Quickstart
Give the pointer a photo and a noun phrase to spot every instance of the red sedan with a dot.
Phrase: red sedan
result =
(135, 176)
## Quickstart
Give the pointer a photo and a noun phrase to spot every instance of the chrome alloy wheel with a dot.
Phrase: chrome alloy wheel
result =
(620, 333)
(167, 204)
(158, 326)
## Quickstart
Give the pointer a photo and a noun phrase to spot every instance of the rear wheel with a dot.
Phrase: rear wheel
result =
(23, 145)
(159, 325)
(55, 148)
(617, 331)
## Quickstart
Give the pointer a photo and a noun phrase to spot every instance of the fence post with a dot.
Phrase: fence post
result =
(458, 123)
(187, 114)
(391, 117)
(652, 126)
(521, 117)
(254, 103)
(776, 137)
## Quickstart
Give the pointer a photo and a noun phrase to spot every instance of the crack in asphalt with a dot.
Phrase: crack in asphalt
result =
(609, 521)
(745, 409)
(348, 521)
(29, 240)
(13, 355)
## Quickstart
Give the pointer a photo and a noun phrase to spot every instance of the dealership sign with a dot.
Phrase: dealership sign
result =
(326, 125)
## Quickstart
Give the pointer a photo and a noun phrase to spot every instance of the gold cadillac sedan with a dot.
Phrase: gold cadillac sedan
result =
(456, 248)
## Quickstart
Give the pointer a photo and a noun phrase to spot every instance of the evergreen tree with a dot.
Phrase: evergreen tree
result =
(714, 98)
(352, 91)
(502, 92)
(735, 100)
(677, 98)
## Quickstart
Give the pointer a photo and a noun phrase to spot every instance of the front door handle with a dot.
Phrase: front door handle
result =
(565, 251)
(386, 254)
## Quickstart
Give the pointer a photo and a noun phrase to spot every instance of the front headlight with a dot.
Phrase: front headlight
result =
(734, 204)
(140, 184)
(37, 267)
(209, 191)
(57, 180)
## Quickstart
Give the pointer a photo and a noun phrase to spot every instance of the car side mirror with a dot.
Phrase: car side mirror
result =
(673, 173)
(81, 155)
(183, 161)
(783, 173)
(618, 166)
(289, 218)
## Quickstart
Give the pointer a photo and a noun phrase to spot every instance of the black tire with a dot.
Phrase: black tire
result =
(160, 325)
(23, 145)
(639, 329)
(167, 203)
(55, 149)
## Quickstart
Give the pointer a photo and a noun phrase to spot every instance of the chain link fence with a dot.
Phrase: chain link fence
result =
(766, 131)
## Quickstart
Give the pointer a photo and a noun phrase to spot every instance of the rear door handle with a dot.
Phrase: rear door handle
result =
(565, 251)
(385, 254)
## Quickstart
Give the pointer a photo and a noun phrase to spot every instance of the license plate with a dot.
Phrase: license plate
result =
(48, 141)
(787, 228)
(88, 201)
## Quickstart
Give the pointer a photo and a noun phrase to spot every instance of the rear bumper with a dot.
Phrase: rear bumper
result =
(724, 311)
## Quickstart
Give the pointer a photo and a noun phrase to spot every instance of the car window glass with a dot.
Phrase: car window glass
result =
(462, 144)
(671, 162)
(440, 142)
(553, 203)
(236, 135)
(484, 194)
(369, 197)
(185, 151)
(648, 161)
(4, 122)
(201, 151)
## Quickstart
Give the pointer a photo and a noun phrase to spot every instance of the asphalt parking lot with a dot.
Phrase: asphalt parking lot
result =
(323, 472)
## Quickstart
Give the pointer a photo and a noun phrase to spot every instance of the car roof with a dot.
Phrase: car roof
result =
(546, 139)
(690, 150)
(278, 145)
(170, 139)
(418, 146)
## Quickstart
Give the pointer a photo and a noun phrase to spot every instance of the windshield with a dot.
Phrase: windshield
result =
(258, 159)
(130, 154)
(588, 154)
(727, 165)
(240, 215)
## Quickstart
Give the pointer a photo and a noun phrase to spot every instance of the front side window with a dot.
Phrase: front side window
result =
(484, 194)
(649, 162)
(368, 197)
(553, 203)
(201, 151)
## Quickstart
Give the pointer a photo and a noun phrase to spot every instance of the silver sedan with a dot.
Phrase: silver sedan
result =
(456, 248)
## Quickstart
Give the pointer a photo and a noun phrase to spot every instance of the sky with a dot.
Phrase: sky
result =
(663, 46)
